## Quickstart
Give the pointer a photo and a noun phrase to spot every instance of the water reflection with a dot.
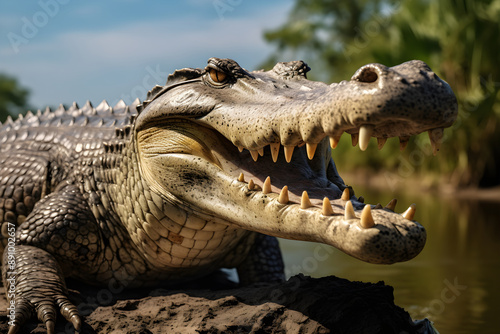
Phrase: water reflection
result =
(453, 282)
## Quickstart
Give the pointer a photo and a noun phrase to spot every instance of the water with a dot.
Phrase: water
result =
(453, 282)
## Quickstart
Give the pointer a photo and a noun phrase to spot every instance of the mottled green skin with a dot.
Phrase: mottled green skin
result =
(86, 193)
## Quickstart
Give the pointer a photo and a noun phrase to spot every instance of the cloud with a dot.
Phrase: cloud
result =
(90, 64)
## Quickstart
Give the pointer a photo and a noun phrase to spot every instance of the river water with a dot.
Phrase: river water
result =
(453, 282)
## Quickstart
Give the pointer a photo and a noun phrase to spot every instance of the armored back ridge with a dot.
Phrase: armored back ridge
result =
(202, 175)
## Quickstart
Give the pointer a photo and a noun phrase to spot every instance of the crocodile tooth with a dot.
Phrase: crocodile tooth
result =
(436, 137)
(327, 207)
(283, 198)
(241, 178)
(334, 141)
(288, 152)
(261, 151)
(311, 149)
(410, 212)
(275, 150)
(392, 204)
(361, 199)
(266, 187)
(305, 202)
(365, 133)
(346, 195)
(381, 142)
(251, 185)
(354, 139)
(254, 154)
(403, 142)
(366, 217)
(349, 211)
(240, 148)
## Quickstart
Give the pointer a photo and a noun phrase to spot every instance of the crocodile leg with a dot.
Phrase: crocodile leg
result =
(263, 262)
(58, 238)
(39, 287)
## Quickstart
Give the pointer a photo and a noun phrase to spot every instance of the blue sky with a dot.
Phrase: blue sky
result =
(68, 50)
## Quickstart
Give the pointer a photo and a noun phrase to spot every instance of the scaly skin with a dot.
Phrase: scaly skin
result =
(178, 188)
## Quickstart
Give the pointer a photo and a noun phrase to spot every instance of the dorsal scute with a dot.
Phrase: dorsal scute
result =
(120, 107)
(135, 107)
(87, 110)
(103, 108)
(74, 107)
(58, 112)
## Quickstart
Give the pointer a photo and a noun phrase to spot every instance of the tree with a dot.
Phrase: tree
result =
(13, 97)
(457, 38)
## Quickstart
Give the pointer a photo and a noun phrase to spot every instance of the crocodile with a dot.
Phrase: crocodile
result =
(193, 179)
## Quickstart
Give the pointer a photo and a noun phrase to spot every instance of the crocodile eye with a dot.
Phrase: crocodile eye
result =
(217, 76)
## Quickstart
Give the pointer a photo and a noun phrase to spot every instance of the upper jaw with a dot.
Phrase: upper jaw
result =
(378, 101)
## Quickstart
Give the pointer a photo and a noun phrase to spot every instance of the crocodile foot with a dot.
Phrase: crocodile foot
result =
(36, 286)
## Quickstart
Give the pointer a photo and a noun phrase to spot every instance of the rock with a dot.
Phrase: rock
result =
(300, 305)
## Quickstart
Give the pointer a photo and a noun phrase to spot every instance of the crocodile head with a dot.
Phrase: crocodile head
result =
(253, 149)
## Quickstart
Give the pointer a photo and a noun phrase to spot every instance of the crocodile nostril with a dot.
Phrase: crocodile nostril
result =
(367, 75)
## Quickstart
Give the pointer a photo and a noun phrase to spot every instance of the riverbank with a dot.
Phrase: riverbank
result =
(302, 304)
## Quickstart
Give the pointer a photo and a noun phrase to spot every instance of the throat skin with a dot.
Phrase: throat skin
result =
(174, 237)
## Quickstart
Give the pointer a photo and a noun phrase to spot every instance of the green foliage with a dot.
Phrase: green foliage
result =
(459, 39)
(13, 98)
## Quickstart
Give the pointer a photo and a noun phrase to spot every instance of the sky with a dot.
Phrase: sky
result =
(68, 50)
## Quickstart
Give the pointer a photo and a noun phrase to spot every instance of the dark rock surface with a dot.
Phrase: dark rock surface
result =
(300, 305)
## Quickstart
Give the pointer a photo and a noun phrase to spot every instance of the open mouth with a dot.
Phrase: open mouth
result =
(306, 176)
(291, 193)
(253, 150)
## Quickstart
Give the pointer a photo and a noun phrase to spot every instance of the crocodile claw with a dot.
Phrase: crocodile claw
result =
(47, 313)
(47, 297)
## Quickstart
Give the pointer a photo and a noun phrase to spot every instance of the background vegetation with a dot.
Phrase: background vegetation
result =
(459, 39)
(13, 97)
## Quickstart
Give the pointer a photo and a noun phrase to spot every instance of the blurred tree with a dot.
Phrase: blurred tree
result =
(13, 97)
(459, 39)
